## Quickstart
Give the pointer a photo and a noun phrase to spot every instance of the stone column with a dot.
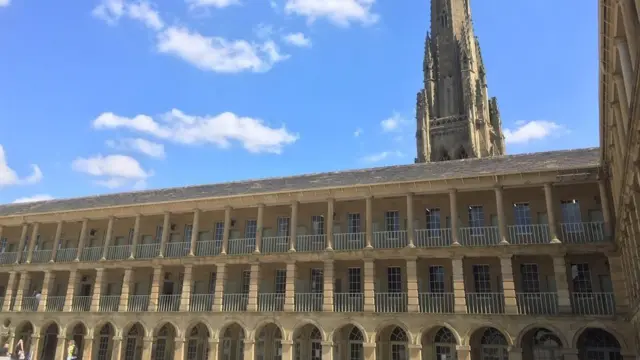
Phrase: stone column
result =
(463, 352)
(369, 289)
(249, 349)
(32, 241)
(287, 349)
(630, 28)
(290, 290)
(515, 353)
(185, 297)
(551, 217)
(412, 286)
(328, 275)
(617, 280)
(459, 291)
(56, 241)
(502, 221)
(331, 203)
(136, 236)
(25, 278)
(259, 228)
(369, 222)
(227, 230)
(213, 349)
(415, 351)
(562, 285)
(35, 347)
(166, 231)
(606, 209)
(327, 350)
(23, 239)
(195, 230)
(107, 238)
(620, 124)
(411, 233)
(453, 211)
(293, 233)
(179, 348)
(253, 288)
(42, 305)
(221, 276)
(97, 290)
(83, 238)
(625, 64)
(369, 350)
(146, 347)
(87, 344)
(71, 290)
(116, 353)
(124, 293)
(61, 352)
(508, 285)
(9, 291)
(155, 288)
(623, 98)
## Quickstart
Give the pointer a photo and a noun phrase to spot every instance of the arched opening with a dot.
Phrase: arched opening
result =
(232, 343)
(164, 343)
(49, 342)
(133, 342)
(197, 343)
(103, 342)
(541, 344)
(598, 344)
(76, 335)
(489, 344)
(444, 155)
(462, 153)
(308, 343)
(392, 343)
(24, 332)
(269, 343)
(347, 342)
(439, 343)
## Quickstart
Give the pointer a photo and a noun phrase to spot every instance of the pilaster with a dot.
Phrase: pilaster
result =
(508, 285)
(116, 353)
(35, 344)
(562, 285)
(415, 351)
(369, 350)
(124, 293)
(369, 222)
(227, 230)
(290, 292)
(56, 241)
(107, 238)
(82, 239)
(330, 210)
(195, 230)
(136, 236)
(369, 289)
(259, 228)
(606, 208)
(166, 232)
(515, 353)
(293, 232)
(459, 292)
(502, 221)
(185, 297)
(253, 289)
(327, 350)
(625, 64)
(179, 348)
(213, 349)
(249, 349)
(32, 241)
(62, 340)
(617, 280)
(412, 286)
(221, 277)
(9, 292)
(146, 347)
(551, 217)
(25, 278)
(287, 349)
(23, 239)
(328, 274)
(42, 305)
(623, 98)
(630, 24)
(87, 345)
(570, 354)
(411, 233)
(453, 209)
(155, 288)
(97, 290)
(71, 290)
(463, 352)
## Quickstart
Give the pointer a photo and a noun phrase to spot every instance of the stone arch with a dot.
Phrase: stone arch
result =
(127, 327)
(101, 324)
(435, 327)
(304, 323)
(621, 340)
(461, 153)
(49, 333)
(103, 345)
(553, 329)
(48, 323)
(393, 339)
(443, 155)
(397, 323)
(75, 325)
(350, 323)
(196, 335)
(489, 338)
(471, 332)
(195, 323)
(256, 330)
(132, 341)
(161, 324)
(220, 332)
(232, 336)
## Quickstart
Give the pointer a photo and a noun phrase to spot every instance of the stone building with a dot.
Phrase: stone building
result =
(485, 258)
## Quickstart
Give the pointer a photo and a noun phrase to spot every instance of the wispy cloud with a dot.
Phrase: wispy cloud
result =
(8, 176)
(139, 145)
(212, 3)
(34, 198)
(378, 157)
(342, 13)
(4, 3)
(297, 39)
(113, 171)
(528, 131)
(393, 123)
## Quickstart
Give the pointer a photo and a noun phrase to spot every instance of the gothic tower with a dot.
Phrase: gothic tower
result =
(455, 117)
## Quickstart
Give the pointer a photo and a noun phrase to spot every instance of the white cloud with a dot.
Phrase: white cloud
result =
(358, 132)
(219, 130)
(34, 198)
(112, 10)
(297, 39)
(212, 3)
(218, 54)
(340, 12)
(112, 171)
(531, 131)
(374, 158)
(392, 124)
(143, 12)
(5, 3)
(8, 176)
(143, 146)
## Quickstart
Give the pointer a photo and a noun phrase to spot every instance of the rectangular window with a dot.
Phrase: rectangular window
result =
(218, 231)
(581, 278)
(522, 212)
(353, 223)
(481, 278)
(3, 244)
(283, 226)
(212, 283)
(394, 279)
(571, 212)
(476, 216)
(317, 281)
(246, 280)
(130, 239)
(355, 280)
(188, 230)
(530, 278)
(281, 281)
(436, 279)
(433, 219)
(250, 229)
(158, 233)
(392, 221)
(317, 224)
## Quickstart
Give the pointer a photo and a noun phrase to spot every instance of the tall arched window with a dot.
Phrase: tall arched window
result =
(161, 343)
(103, 342)
(444, 345)
(133, 343)
(444, 20)
(546, 345)
(398, 344)
(598, 344)
(355, 344)
(493, 345)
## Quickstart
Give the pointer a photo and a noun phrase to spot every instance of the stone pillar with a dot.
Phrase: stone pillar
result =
(9, 292)
(87, 344)
(61, 351)
(551, 217)
(166, 231)
(369, 283)
(327, 302)
(453, 211)
(369, 350)
(502, 221)
(249, 348)
(23, 239)
(570, 354)
(562, 285)
(327, 350)
(623, 99)
(83, 238)
(42, 305)
(412, 286)
(411, 233)
(508, 285)
(97, 291)
(136, 236)
(459, 292)
(56, 241)
(213, 349)
(625, 64)
(107, 238)
(259, 228)
(415, 351)
(25, 278)
(71, 290)
(515, 353)
(116, 353)
(253, 288)
(227, 230)
(221, 276)
(34, 348)
(617, 280)
(185, 297)
(369, 222)
(195, 230)
(32, 241)
(179, 348)
(293, 233)
(290, 290)
(463, 352)
(124, 293)
(155, 288)
(630, 28)
(606, 209)
(146, 347)
(331, 203)
(287, 349)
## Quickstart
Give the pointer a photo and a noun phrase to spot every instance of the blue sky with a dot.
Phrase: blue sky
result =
(102, 96)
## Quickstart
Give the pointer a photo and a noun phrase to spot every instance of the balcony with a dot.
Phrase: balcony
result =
(348, 241)
(582, 232)
(201, 302)
(390, 239)
(169, 303)
(235, 302)
(91, 253)
(310, 243)
(308, 302)
(208, 247)
(540, 303)
(269, 302)
(479, 236)
(426, 238)
(177, 249)
(30, 303)
(348, 302)
(118, 252)
(593, 303)
(138, 303)
(241, 246)
(485, 303)
(41, 256)
(147, 251)
(109, 303)
(275, 244)
(66, 255)
(529, 234)
(8, 257)
(391, 302)
(55, 303)
(81, 303)
(436, 303)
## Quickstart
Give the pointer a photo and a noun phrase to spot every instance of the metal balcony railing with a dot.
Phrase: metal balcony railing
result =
(426, 238)
(241, 246)
(147, 251)
(177, 249)
(479, 236)
(169, 303)
(109, 303)
(55, 303)
(348, 241)
(201, 302)
(91, 254)
(118, 252)
(270, 302)
(41, 256)
(8, 257)
(391, 302)
(310, 243)
(81, 303)
(274, 244)
(582, 232)
(208, 247)
(308, 302)
(529, 234)
(390, 239)
(66, 255)
(485, 303)
(235, 302)
(30, 303)
(138, 303)
(540, 303)
(23, 257)
(348, 302)
(584, 303)
(436, 303)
